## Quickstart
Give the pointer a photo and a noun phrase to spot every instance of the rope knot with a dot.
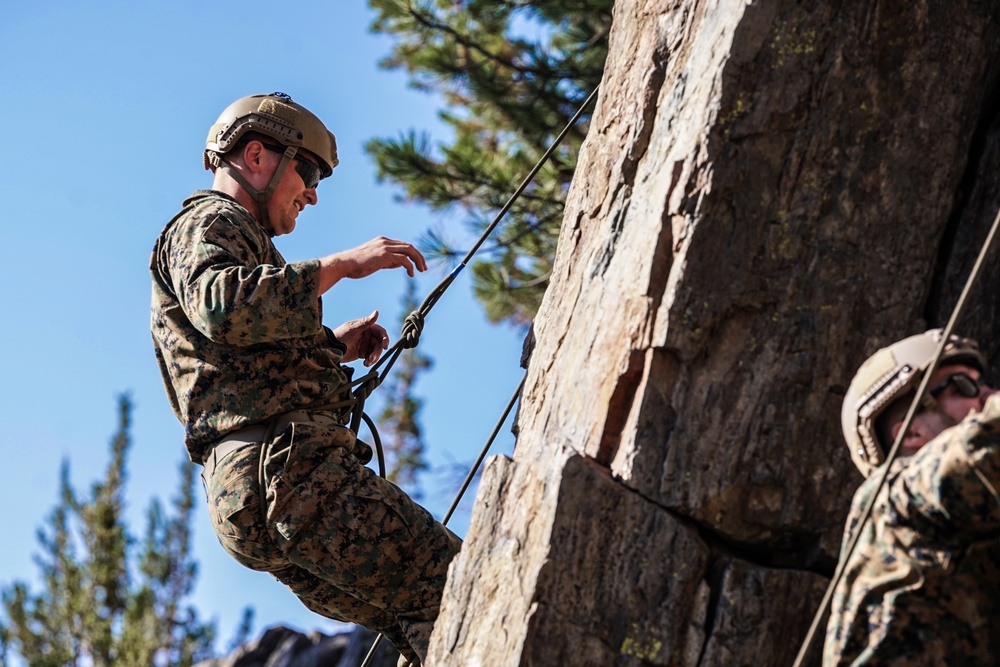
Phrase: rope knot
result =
(413, 325)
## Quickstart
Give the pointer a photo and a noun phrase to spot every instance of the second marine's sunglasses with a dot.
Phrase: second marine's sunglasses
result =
(309, 171)
(964, 385)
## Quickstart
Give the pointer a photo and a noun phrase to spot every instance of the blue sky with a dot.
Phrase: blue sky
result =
(105, 113)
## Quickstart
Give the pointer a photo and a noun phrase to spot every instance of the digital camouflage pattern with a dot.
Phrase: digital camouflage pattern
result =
(923, 585)
(239, 340)
(351, 545)
(237, 331)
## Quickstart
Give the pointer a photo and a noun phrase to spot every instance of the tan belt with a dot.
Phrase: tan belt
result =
(256, 434)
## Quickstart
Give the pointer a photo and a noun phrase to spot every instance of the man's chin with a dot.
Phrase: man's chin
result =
(287, 227)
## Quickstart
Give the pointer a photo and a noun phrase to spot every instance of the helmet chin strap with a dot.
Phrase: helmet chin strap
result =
(262, 197)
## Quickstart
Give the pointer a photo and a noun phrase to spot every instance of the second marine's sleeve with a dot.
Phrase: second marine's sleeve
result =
(231, 291)
(949, 490)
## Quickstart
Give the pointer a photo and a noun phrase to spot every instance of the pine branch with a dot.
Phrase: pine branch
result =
(507, 95)
(90, 611)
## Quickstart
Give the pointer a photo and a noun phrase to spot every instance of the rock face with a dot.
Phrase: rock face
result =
(770, 191)
(283, 647)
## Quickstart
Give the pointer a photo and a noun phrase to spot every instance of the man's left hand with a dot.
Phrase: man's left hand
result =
(364, 339)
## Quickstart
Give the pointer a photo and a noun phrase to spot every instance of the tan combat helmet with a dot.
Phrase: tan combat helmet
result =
(889, 375)
(278, 117)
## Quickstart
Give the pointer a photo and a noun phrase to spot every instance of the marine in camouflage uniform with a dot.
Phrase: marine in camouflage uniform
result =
(257, 382)
(923, 584)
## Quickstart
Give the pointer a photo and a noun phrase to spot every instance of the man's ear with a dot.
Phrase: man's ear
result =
(252, 155)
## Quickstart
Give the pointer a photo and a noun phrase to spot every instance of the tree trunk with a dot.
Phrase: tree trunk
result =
(770, 191)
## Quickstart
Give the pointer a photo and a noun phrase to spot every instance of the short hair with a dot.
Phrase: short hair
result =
(238, 147)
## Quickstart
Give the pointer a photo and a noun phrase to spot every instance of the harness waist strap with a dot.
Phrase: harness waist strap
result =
(256, 434)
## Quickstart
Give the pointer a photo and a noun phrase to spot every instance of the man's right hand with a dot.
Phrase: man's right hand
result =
(364, 260)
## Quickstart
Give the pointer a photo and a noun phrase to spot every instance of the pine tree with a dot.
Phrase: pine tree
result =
(512, 74)
(93, 609)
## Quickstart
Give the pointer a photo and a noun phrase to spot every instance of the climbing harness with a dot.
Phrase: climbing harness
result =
(910, 414)
(414, 324)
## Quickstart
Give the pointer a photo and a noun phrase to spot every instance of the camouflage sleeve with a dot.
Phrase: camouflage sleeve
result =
(952, 482)
(231, 295)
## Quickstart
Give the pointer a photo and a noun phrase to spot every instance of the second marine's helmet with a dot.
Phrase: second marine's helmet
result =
(890, 375)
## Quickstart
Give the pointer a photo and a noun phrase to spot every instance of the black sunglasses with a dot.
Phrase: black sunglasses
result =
(964, 385)
(309, 171)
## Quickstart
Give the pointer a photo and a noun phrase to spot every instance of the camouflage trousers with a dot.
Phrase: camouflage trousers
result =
(351, 545)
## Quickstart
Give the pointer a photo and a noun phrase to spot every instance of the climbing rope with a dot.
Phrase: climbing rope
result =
(414, 322)
(911, 413)
(465, 486)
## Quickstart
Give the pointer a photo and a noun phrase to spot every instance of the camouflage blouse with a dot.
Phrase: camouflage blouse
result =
(237, 331)
(923, 585)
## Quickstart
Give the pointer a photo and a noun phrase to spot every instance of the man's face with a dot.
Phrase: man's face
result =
(952, 405)
(950, 399)
(291, 196)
